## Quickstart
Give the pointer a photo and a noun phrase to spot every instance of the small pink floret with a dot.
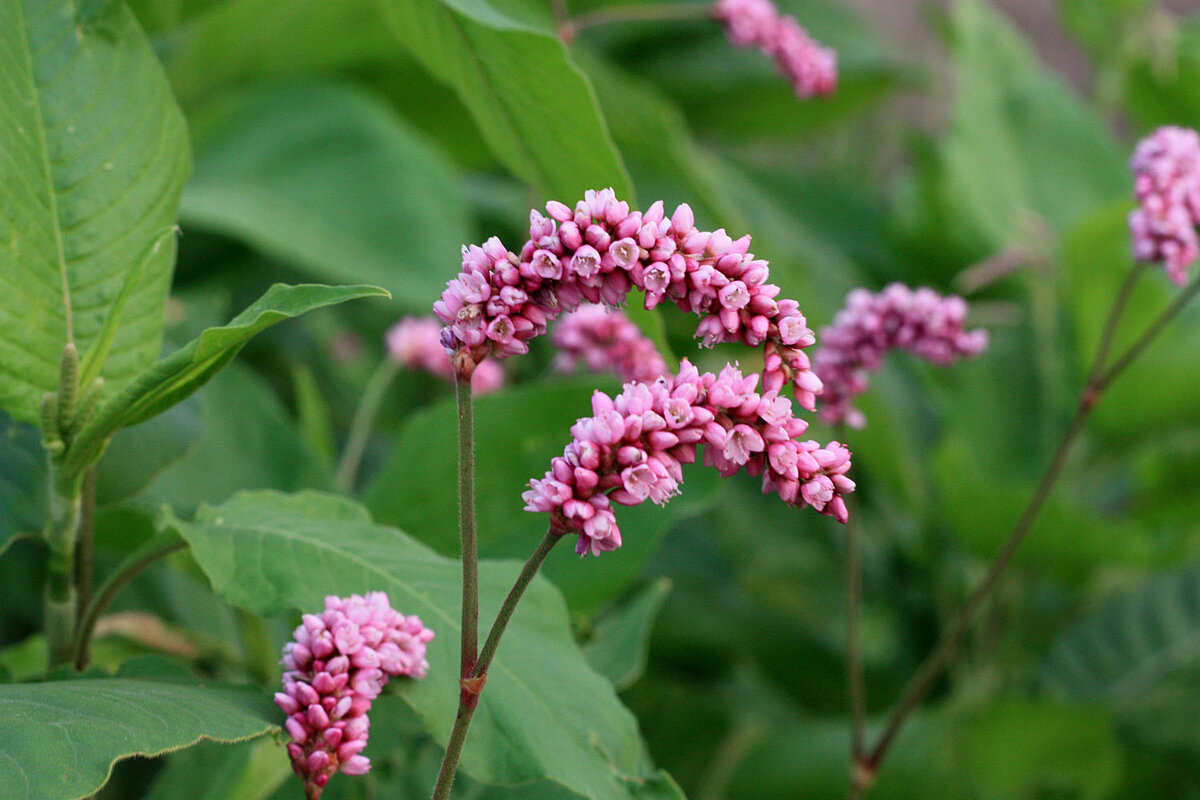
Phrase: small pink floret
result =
(1166, 183)
(811, 68)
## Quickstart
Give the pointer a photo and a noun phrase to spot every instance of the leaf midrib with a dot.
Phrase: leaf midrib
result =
(44, 154)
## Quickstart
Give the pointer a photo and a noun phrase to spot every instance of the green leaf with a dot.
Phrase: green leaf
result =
(174, 378)
(24, 478)
(1020, 142)
(330, 179)
(544, 714)
(416, 489)
(215, 771)
(255, 448)
(534, 107)
(89, 202)
(60, 739)
(619, 648)
(1015, 747)
(137, 455)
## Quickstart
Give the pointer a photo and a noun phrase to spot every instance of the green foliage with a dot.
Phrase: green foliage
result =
(62, 737)
(268, 552)
(89, 205)
(534, 107)
(23, 481)
(357, 197)
(618, 648)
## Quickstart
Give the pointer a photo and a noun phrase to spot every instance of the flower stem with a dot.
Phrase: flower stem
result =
(858, 703)
(1099, 379)
(466, 527)
(360, 426)
(472, 685)
(84, 547)
(60, 603)
(639, 12)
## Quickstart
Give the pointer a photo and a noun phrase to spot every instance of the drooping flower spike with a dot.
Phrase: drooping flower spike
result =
(599, 252)
(605, 340)
(634, 445)
(415, 343)
(1166, 183)
(811, 68)
(338, 663)
(921, 322)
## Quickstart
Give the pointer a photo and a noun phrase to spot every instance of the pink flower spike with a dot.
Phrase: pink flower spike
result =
(1166, 183)
(809, 67)
(327, 701)
(414, 343)
(606, 341)
(921, 322)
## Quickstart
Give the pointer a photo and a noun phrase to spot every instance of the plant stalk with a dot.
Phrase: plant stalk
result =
(466, 527)
(84, 547)
(1099, 380)
(60, 603)
(473, 684)
(364, 419)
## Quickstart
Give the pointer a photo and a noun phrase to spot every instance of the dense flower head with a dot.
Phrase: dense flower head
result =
(337, 664)
(919, 321)
(605, 340)
(415, 343)
(598, 252)
(1166, 183)
(811, 68)
(634, 446)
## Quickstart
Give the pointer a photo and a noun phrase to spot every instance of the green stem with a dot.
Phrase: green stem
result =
(61, 537)
(639, 12)
(858, 703)
(472, 685)
(84, 547)
(364, 419)
(1127, 358)
(105, 594)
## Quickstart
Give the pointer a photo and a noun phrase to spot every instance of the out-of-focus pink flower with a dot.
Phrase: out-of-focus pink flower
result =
(598, 252)
(1166, 183)
(413, 342)
(921, 322)
(606, 340)
(337, 664)
(634, 445)
(811, 68)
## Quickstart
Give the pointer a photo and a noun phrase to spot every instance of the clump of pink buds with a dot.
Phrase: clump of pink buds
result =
(1166, 183)
(606, 340)
(811, 68)
(921, 322)
(338, 663)
(633, 447)
(599, 251)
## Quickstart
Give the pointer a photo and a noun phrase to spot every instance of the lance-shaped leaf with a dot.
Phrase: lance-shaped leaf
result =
(534, 107)
(545, 713)
(95, 155)
(61, 739)
(174, 378)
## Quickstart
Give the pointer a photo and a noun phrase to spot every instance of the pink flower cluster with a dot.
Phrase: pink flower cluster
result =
(921, 322)
(601, 250)
(633, 447)
(415, 343)
(606, 340)
(811, 68)
(338, 663)
(1166, 182)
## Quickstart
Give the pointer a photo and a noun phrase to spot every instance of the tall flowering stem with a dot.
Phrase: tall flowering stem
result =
(1100, 378)
(470, 543)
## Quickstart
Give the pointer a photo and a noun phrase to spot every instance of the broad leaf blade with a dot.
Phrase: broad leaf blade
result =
(545, 713)
(95, 157)
(621, 643)
(534, 107)
(23, 481)
(176, 377)
(355, 196)
(60, 739)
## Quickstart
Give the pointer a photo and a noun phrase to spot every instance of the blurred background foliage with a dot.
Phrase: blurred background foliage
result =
(365, 141)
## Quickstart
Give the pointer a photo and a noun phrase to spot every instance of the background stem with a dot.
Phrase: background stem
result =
(364, 419)
(466, 527)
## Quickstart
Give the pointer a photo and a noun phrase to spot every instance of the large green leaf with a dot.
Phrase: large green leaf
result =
(60, 739)
(330, 179)
(620, 646)
(1020, 142)
(23, 481)
(416, 489)
(95, 155)
(534, 107)
(174, 378)
(544, 714)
